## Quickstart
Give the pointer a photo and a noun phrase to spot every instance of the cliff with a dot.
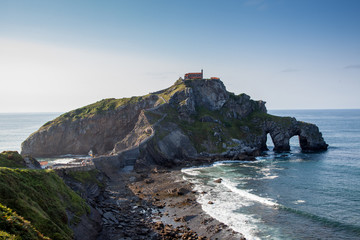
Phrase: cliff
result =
(190, 119)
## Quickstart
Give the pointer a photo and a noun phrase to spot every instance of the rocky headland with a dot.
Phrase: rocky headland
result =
(191, 119)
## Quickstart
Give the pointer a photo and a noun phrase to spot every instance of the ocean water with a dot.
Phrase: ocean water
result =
(16, 127)
(291, 195)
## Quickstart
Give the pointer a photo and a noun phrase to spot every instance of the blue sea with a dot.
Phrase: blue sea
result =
(16, 127)
(291, 195)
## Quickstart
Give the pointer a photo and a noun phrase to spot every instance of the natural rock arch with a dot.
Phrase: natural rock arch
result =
(310, 138)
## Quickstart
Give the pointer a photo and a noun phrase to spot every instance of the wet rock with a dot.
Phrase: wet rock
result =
(219, 180)
(109, 216)
(178, 191)
(148, 181)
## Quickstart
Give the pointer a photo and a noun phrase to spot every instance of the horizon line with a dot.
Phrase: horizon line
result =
(272, 109)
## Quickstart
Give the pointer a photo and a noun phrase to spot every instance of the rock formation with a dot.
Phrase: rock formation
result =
(191, 119)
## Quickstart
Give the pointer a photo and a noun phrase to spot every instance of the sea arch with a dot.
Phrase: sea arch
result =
(310, 138)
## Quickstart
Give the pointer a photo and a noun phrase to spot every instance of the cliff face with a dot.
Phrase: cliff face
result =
(78, 132)
(192, 118)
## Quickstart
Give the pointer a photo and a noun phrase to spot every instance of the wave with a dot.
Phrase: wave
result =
(215, 164)
(250, 196)
(224, 162)
(225, 204)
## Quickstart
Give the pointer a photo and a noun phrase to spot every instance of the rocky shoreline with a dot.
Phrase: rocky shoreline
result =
(177, 209)
(153, 204)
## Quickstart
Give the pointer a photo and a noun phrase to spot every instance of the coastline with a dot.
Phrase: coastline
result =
(156, 203)
(177, 208)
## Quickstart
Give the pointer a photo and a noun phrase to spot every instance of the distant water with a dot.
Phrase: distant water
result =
(292, 195)
(16, 127)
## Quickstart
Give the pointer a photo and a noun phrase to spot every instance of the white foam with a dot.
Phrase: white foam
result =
(218, 163)
(267, 172)
(299, 201)
(228, 200)
(223, 207)
(191, 172)
(268, 177)
(248, 195)
(215, 164)
(63, 160)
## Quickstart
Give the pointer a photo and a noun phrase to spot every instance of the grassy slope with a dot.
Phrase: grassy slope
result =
(84, 177)
(109, 104)
(11, 159)
(42, 198)
(13, 226)
(99, 107)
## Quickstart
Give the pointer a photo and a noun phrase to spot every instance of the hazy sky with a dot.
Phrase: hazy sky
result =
(56, 56)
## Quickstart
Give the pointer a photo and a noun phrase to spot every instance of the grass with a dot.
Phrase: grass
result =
(169, 92)
(284, 122)
(153, 117)
(42, 198)
(13, 226)
(86, 177)
(106, 105)
(91, 110)
(11, 159)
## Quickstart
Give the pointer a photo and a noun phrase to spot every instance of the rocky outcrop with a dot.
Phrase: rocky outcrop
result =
(310, 138)
(192, 118)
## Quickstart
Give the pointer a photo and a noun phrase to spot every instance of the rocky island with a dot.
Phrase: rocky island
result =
(191, 119)
(192, 122)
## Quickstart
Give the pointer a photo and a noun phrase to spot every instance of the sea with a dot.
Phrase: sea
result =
(16, 127)
(290, 195)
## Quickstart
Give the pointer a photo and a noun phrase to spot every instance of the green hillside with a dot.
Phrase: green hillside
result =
(42, 198)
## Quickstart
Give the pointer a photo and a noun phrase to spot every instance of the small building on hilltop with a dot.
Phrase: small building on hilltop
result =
(191, 76)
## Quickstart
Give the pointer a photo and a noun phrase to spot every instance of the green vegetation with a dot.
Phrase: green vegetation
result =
(99, 107)
(109, 104)
(285, 122)
(179, 85)
(153, 117)
(86, 177)
(13, 226)
(42, 198)
(210, 135)
(11, 159)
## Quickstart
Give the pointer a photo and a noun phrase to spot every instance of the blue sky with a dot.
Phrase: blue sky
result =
(293, 54)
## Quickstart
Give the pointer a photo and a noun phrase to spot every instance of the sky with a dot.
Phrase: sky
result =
(56, 56)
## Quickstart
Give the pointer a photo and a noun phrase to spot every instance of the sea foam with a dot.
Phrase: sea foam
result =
(247, 195)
